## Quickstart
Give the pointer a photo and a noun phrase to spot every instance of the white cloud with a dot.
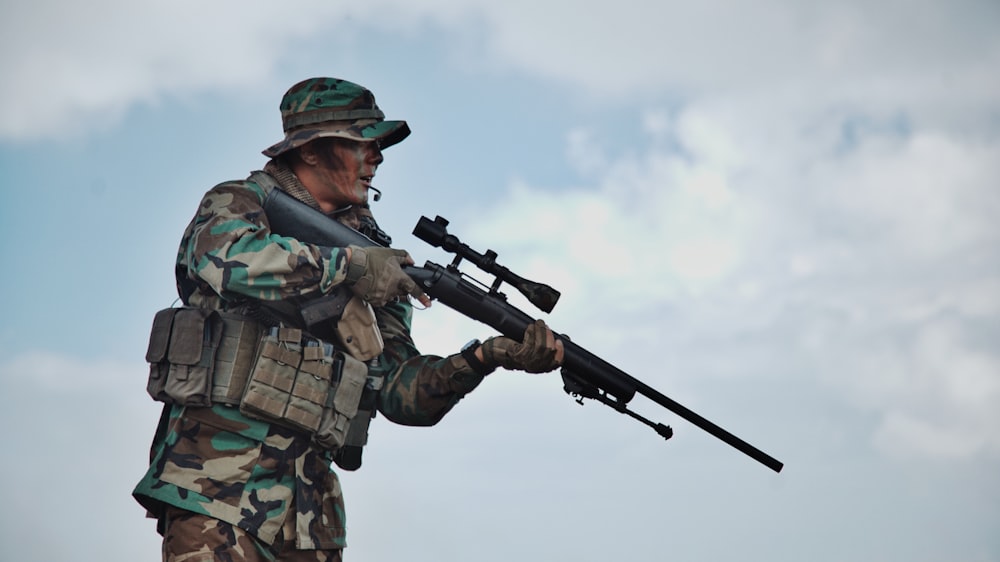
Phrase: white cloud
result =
(842, 260)
(929, 194)
(669, 222)
(78, 439)
(939, 397)
(68, 66)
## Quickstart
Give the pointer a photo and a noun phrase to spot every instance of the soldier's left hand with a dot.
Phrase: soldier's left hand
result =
(539, 352)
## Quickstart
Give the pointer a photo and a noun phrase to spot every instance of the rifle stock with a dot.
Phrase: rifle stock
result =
(586, 374)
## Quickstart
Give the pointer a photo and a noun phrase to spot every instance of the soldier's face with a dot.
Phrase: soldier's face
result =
(346, 169)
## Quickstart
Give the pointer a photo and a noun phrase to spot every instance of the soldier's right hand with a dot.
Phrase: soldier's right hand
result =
(376, 275)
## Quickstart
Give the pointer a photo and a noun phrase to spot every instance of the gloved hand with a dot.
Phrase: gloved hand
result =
(376, 275)
(540, 351)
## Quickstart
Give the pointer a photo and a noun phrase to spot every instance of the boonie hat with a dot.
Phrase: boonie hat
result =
(330, 107)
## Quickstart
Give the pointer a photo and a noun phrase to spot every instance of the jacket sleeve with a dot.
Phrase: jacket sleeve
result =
(419, 389)
(229, 249)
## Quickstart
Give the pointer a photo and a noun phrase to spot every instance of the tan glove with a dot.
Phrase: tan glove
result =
(540, 351)
(376, 275)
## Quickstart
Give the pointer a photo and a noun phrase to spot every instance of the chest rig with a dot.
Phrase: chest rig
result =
(276, 362)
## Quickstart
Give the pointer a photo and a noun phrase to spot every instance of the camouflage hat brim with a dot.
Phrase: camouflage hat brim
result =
(387, 133)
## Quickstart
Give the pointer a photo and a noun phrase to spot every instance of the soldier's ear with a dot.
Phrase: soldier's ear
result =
(308, 153)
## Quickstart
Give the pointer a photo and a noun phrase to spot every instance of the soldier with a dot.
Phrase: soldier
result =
(259, 403)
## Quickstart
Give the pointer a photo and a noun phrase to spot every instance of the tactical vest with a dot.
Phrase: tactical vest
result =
(282, 375)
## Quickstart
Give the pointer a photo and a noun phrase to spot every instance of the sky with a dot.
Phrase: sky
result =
(781, 214)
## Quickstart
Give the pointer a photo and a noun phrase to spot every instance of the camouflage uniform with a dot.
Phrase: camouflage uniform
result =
(245, 475)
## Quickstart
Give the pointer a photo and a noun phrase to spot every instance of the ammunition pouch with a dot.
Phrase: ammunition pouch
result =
(201, 357)
(301, 382)
(181, 355)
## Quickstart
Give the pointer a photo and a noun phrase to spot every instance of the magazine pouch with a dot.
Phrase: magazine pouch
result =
(269, 388)
(181, 353)
(312, 386)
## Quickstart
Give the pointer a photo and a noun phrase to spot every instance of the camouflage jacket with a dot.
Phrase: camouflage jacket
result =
(216, 461)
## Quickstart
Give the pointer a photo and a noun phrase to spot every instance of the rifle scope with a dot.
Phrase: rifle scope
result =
(435, 233)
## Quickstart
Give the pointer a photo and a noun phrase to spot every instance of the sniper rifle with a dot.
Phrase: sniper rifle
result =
(585, 375)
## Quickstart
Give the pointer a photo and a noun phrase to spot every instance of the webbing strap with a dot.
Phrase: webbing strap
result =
(313, 117)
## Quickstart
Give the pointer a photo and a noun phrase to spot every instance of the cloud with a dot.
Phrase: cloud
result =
(930, 195)
(863, 259)
(939, 395)
(78, 440)
(72, 68)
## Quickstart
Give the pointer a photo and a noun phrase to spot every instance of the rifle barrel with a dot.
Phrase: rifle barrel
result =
(698, 420)
(457, 293)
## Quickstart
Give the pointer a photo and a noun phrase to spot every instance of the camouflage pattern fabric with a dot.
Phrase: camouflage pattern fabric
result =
(228, 253)
(258, 477)
(331, 107)
(197, 538)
